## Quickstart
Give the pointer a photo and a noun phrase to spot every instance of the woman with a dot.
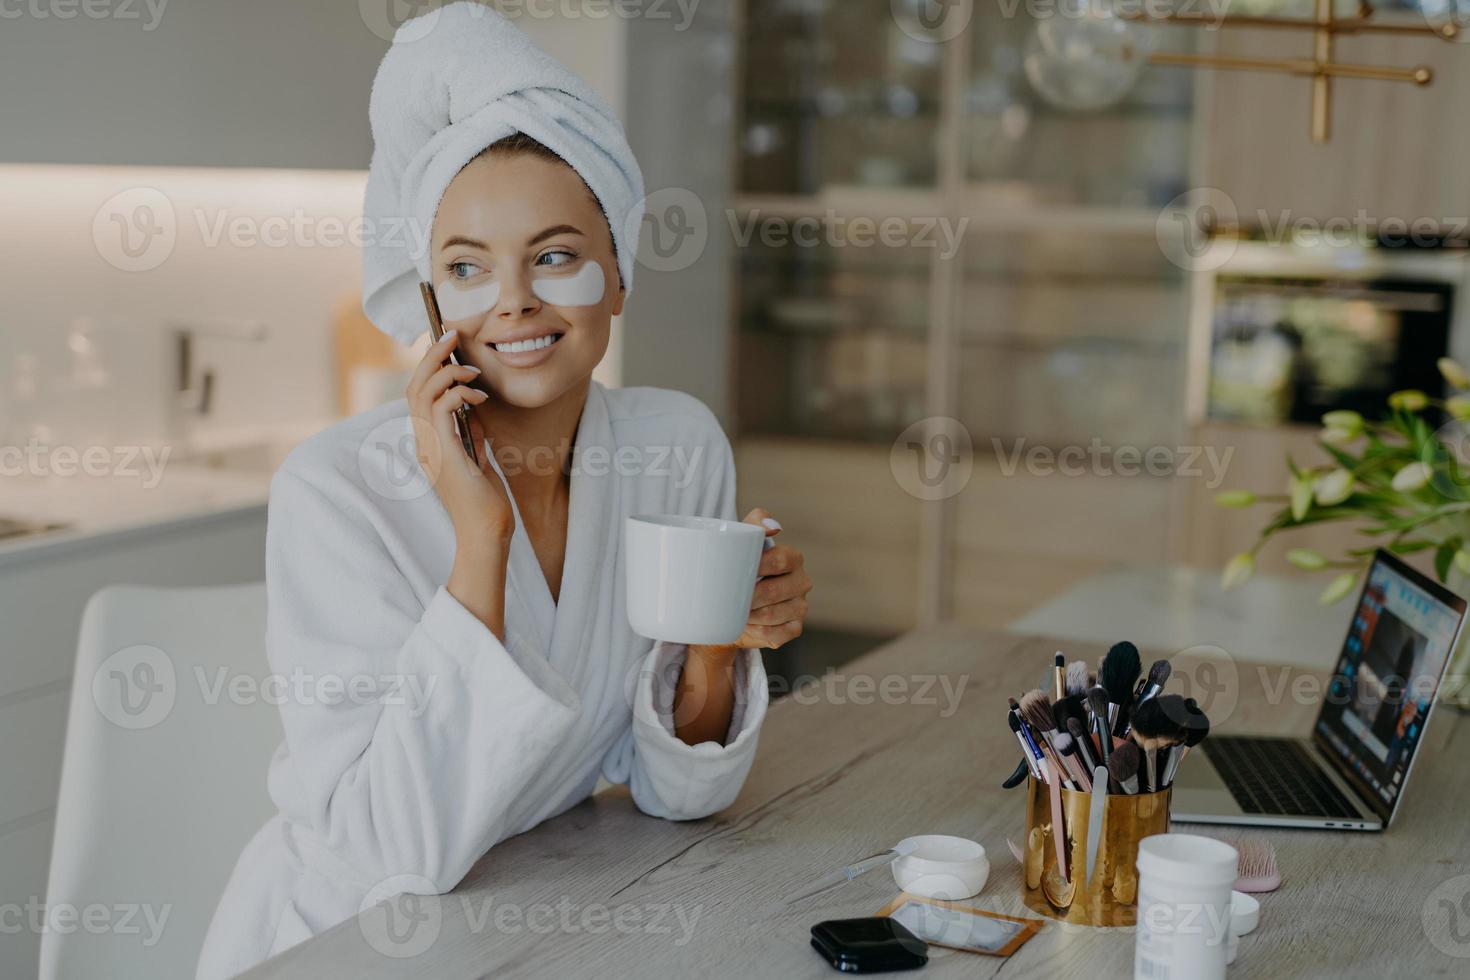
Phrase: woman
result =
(460, 625)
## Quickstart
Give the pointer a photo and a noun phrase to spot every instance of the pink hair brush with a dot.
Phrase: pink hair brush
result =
(1257, 866)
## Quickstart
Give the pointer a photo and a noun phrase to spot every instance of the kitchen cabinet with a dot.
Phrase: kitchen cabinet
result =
(44, 586)
(270, 83)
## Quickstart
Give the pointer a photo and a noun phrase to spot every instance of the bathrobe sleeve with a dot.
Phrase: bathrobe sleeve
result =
(667, 777)
(431, 728)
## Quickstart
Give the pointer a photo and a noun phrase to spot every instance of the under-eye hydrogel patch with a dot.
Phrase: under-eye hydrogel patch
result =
(458, 302)
(583, 288)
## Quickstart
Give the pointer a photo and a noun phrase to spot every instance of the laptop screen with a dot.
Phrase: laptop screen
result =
(1379, 698)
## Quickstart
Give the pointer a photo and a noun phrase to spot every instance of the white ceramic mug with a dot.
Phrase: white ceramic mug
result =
(690, 579)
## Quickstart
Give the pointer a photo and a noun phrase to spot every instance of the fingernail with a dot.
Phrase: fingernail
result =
(771, 523)
(471, 367)
(448, 336)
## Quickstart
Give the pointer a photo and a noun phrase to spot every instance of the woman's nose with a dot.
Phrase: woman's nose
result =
(516, 297)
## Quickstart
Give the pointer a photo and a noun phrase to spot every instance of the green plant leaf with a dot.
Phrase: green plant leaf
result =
(1301, 497)
(1307, 558)
(1408, 546)
(1235, 498)
(1443, 556)
(1338, 588)
(1344, 459)
(1421, 436)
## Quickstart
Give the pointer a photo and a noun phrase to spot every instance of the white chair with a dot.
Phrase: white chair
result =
(164, 778)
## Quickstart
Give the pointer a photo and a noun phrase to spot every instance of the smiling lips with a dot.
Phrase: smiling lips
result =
(525, 346)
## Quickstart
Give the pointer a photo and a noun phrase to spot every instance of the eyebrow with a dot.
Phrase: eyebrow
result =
(536, 239)
(552, 232)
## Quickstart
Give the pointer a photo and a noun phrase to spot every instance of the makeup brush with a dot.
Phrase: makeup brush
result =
(1117, 674)
(1068, 749)
(1154, 730)
(1123, 767)
(1158, 676)
(1098, 716)
(1059, 676)
(1076, 678)
(1196, 727)
(1071, 706)
(1058, 817)
(1083, 741)
(1014, 720)
(1036, 712)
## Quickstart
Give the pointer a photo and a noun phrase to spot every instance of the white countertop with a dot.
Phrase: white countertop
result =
(226, 472)
(1170, 608)
(94, 507)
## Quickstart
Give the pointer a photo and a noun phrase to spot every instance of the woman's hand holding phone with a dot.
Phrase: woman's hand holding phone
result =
(473, 493)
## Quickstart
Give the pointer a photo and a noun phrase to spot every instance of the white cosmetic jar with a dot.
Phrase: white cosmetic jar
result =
(940, 867)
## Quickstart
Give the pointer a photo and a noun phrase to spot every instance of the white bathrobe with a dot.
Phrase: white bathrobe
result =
(452, 740)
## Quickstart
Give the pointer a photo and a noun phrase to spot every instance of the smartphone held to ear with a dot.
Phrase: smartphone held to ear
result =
(436, 332)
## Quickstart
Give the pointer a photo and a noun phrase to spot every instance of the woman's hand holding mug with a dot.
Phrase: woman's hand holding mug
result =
(778, 605)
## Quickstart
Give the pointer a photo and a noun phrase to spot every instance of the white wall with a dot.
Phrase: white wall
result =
(288, 266)
(268, 83)
(679, 115)
(225, 267)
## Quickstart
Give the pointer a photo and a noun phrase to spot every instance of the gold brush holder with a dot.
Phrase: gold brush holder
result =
(1111, 897)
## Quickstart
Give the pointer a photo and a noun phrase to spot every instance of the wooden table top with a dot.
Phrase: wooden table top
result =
(910, 739)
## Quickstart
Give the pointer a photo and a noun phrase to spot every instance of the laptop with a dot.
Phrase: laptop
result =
(1351, 773)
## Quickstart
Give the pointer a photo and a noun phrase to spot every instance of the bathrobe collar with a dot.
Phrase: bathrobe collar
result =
(561, 631)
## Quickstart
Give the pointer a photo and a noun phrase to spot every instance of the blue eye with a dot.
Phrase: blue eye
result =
(555, 259)
(464, 270)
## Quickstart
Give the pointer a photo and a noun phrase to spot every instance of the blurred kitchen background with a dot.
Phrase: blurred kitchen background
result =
(178, 192)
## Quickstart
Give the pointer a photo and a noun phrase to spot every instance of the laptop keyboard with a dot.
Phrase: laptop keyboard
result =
(1276, 776)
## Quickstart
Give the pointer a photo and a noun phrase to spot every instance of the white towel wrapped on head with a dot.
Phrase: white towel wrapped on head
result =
(457, 79)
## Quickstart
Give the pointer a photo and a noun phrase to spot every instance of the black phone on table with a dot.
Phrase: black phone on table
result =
(875, 944)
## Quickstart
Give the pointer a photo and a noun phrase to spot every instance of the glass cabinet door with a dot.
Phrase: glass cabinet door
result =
(835, 94)
(1023, 149)
(1067, 338)
(832, 340)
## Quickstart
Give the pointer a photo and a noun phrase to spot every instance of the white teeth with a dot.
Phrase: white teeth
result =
(521, 346)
